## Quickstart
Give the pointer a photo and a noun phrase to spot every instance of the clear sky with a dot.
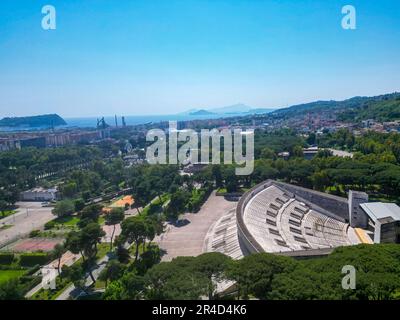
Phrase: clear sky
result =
(141, 57)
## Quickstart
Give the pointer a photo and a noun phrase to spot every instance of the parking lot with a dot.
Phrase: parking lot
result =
(29, 216)
(187, 238)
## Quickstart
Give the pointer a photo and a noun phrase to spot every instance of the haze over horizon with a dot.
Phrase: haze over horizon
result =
(166, 57)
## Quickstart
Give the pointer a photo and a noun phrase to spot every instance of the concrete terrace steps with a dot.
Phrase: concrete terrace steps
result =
(223, 237)
(280, 223)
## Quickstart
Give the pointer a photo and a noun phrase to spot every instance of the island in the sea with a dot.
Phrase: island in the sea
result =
(201, 112)
(46, 120)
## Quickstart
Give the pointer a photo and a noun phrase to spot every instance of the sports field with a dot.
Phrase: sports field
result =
(35, 244)
(6, 275)
(120, 203)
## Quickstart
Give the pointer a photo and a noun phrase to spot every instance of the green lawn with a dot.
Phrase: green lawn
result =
(103, 248)
(99, 285)
(6, 226)
(72, 221)
(102, 220)
(6, 275)
(6, 213)
(67, 221)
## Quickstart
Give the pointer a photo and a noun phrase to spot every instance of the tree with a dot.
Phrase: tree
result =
(324, 153)
(57, 253)
(175, 280)
(113, 271)
(85, 242)
(231, 180)
(141, 194)
(11, 290)
(268, 153)
(297, 152)
(212, 265)
(217, 175)
(263, 171)
(64, 208)
(254, 273)
(312, 138)
(122, 253)
(75, 274)
(89, 214)
(320, 180)
(130, 287)
(69, 190)
(134, 230)
(177, 203)
(79, 204)
(3, 207)
(115, 216)
(147, 259)
(90, 237)
(300, 284)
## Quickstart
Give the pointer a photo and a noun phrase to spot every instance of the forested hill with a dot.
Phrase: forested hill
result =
(385, 110)
(47, 120)
(384, 107)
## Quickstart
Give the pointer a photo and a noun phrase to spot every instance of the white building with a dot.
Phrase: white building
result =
(39, 194)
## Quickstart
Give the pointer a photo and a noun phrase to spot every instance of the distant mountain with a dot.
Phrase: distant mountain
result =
(47, 120)
(201, 112)
(236, 109)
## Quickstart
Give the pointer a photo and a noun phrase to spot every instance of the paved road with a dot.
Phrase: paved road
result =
(188, 240)
(30, 216)
(65, 295)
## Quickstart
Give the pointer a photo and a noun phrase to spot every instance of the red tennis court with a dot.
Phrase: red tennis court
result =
(39, 244)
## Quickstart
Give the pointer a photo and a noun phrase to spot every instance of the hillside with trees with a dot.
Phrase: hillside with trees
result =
(383, 107)
(386, 110)
(47, 120)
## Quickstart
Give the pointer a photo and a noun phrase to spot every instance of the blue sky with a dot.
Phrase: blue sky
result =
(143, 57)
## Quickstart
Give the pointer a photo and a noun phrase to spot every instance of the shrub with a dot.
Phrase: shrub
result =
(34, 233)
(6, 258)
(64, 208)
(50, 225)
(32, 259)
(32, 270)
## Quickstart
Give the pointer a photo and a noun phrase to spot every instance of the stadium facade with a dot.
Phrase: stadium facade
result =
(289, 220)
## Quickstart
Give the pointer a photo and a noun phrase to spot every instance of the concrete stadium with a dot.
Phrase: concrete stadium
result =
(289, 220)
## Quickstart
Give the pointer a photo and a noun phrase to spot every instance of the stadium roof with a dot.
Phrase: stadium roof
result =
(380, 210)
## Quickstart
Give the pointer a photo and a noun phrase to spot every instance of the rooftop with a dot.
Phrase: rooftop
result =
(380, 210)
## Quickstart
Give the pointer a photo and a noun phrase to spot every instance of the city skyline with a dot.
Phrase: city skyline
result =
(155, 58)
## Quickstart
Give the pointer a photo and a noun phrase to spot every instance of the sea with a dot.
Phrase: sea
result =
(91, 122)
(135, 120)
